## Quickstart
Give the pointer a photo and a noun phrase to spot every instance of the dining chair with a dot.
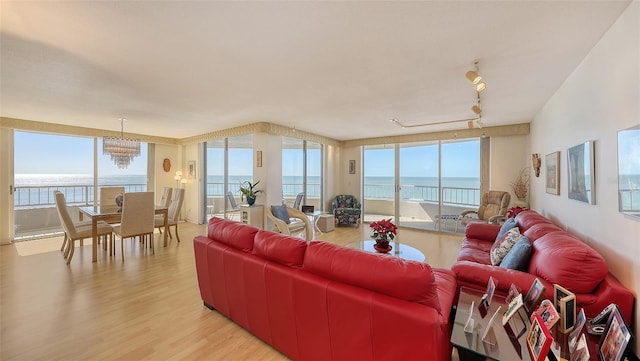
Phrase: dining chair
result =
(173, 216)
(138, 211)
(166, 197)
(108, 195)
(79, 230)
(234, 206)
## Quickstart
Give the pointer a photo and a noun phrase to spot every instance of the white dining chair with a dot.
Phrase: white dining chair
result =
(138, 211)
(108, 195)
(79, 230)
(173, 216)
(166, 197)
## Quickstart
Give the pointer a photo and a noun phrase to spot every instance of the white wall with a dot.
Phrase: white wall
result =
(508, 156)
(601, 97)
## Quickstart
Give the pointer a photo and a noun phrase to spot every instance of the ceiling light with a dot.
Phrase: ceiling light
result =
(122, 150)
(473, 77)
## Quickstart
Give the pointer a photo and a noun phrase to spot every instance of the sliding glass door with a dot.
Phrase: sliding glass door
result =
(302, 171)
(431, 184)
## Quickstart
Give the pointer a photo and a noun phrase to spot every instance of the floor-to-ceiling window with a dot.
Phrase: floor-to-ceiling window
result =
(44, 163)
(229, 163)
(431, 179)
(302, 171)
(379, 182)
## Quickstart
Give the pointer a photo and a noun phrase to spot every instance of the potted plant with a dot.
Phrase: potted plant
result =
(248, 190)
(383, 232)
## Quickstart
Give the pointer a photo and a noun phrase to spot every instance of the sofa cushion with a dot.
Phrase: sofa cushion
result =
(560, 258)
(231, 233)
(538, 230)
(408, 280)
(519, 255)
(280, 248)
(506, 226)
(281, 213)
(503, 245)
(529, 218)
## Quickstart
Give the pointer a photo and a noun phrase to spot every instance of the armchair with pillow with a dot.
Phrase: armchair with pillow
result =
(289, 221)
(347, 210)
(493, 208)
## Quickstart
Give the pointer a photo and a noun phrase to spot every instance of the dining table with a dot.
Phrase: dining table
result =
(113, 214)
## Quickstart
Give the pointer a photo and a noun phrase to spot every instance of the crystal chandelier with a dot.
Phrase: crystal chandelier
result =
(122, 150)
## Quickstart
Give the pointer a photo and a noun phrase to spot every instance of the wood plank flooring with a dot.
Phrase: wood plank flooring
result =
(147, 308)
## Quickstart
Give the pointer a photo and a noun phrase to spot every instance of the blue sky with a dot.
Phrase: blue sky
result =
(37, 153)
(459, 159)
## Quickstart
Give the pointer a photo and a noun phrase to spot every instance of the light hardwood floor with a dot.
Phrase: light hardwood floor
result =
(148, 307)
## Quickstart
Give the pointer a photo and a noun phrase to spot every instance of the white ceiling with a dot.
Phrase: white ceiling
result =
(339, 69)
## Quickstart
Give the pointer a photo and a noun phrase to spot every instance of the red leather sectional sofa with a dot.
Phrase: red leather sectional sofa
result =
(316, 300)
(558, 257)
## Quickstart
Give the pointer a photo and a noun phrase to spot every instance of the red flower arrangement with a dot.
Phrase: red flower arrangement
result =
(383, 230)
(513, 211)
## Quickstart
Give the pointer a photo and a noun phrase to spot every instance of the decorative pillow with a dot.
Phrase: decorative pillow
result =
(506, 226)
(281, 213)
(502, 246)
(518, 257)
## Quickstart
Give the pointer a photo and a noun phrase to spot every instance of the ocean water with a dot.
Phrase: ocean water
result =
(37, 189)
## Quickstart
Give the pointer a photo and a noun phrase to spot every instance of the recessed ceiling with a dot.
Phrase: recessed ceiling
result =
(338, 69)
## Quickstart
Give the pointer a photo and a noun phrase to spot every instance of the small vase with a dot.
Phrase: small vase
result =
(382, 246)
(251, 200)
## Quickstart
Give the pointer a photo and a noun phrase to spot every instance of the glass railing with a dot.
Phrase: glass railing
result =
(38, 196)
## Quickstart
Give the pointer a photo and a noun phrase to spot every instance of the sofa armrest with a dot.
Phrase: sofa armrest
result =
(471, 273)
(482, 231)
(608, 291)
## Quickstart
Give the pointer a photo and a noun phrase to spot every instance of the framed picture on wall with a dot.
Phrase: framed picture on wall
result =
(552, 167)
(581, 167)
(191, 169)
(352, 166)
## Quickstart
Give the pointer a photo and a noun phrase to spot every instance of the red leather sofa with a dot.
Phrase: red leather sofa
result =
(316, 300)
(557, 257)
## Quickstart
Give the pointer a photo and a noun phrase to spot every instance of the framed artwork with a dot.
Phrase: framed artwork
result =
(568, 313)
(534, 296)
(629, 171)
(616, 338)
(552, 167)
(191, 169)
(258, 158)
(352, 166)
(548, 313)
(581, 167)
(559, 293)
(539, 339)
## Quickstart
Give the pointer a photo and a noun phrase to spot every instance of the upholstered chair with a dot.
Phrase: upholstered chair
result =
(347, 210)
(74, 231)
(108, 195)
(174, 213)
(138, 211)
(493, 208)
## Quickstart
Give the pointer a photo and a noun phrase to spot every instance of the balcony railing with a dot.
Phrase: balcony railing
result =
(38, 196)
(450, 195)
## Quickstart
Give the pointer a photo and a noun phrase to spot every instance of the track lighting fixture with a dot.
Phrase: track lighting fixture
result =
(475, 78)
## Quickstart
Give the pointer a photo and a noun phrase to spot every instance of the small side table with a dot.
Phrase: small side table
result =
(253, 215)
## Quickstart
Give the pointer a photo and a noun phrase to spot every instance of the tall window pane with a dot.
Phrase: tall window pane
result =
(45, 163)
(240, 162)
(379, 182)
(215, 189)
(313, 189)
(419, 192)
(292, 168)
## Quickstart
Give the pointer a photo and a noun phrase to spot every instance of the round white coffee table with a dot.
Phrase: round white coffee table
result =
(399, 250)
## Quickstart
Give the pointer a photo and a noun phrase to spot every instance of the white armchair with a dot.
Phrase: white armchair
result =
(298, 222)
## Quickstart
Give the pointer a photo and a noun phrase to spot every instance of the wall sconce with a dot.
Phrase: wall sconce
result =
(537, 162)
(178, 177)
